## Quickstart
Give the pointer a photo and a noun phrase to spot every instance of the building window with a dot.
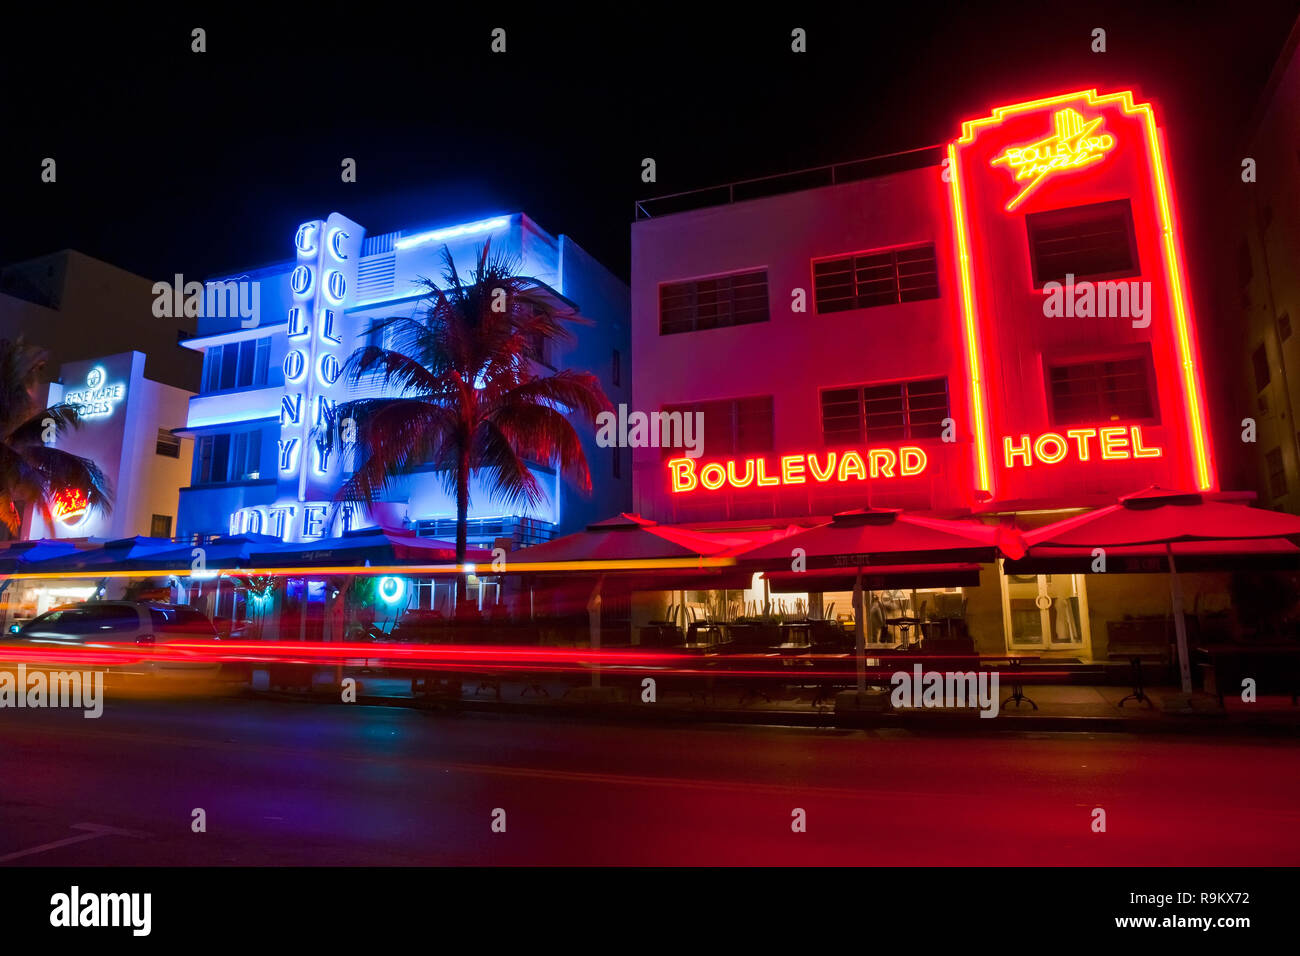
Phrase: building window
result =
(237, 365)
(1110, 390)
(616, 369)
(224, 458)
(889, 412)
(1276, 473)
(731, 426)
(1284, 326)
(1262, 376)
(884, 277)
(1088, 242)
(715, 303)
(160, 526)
(169, 446)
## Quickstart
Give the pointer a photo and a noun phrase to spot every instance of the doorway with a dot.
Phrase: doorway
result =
(1047, 612)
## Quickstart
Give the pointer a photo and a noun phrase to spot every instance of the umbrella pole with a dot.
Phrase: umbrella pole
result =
(1180, 625)
(593, 622)
(860, 631)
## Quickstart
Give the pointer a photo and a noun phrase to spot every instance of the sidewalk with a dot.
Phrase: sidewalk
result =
(1084, 708)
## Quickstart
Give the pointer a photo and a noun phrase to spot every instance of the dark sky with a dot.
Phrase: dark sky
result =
(170, 161)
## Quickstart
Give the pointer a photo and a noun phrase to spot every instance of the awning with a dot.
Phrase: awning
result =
(1258, 554)
(877, 578)
(381, 547)
(628, 543)
(887, 536)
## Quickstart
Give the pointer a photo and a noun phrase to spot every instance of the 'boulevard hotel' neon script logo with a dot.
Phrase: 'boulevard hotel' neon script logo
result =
(1075, 143)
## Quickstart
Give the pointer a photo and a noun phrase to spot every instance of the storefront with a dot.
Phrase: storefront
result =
(1002, 334)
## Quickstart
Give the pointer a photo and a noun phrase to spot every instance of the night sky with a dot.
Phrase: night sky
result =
(170, 161)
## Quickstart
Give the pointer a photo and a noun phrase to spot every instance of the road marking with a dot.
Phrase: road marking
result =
(94, 830)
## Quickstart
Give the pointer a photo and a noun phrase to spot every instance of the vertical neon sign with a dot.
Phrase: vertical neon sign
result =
(319, 336)
(1082, 145)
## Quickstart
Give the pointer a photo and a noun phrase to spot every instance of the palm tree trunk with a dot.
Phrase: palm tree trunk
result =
(462, 517)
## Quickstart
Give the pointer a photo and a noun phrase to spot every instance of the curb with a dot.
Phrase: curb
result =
(1215, 724)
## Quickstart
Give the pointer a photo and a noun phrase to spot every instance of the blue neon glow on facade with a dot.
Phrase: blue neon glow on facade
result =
(452, 232)
(314, 318)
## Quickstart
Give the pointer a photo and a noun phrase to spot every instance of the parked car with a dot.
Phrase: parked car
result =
(148, 624)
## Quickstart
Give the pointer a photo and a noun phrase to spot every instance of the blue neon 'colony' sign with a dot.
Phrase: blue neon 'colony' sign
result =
(319, 337)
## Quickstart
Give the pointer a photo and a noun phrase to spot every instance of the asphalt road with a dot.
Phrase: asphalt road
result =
(292, 783)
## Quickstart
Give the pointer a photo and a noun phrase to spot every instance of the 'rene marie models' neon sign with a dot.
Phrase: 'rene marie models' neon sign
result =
(687, 474)
(1075, 143)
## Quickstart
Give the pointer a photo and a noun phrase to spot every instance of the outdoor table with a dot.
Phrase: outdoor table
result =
(1017, 686)
(760, 661)
(1214, 653)
(826, 686)
(903, 623)
(703, 632)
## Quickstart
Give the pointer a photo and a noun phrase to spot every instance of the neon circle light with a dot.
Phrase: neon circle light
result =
(391, 590)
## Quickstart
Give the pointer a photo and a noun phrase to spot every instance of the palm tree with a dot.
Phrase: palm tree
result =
(33, 471)
(467, 393)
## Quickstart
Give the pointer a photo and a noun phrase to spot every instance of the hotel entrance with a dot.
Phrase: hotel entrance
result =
(1046, 612)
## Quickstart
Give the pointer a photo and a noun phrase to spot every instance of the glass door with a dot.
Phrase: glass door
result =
(1045, 611)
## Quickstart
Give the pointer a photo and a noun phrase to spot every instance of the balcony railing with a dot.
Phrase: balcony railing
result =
(790, 182)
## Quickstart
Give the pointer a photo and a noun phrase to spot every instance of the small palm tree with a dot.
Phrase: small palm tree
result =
(467, 394)
(33, 470)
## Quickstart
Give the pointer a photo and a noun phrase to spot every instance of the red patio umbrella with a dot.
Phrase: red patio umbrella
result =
(859, 541)
(629, 542)
(644, 552)
(1159, 523)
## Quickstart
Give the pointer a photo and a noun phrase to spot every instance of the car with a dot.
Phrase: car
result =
(147, 624)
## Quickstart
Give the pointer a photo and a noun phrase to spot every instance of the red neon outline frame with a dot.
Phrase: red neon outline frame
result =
(1190, 379)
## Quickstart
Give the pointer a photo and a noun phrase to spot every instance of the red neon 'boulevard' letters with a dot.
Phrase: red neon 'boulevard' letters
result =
(830, 466)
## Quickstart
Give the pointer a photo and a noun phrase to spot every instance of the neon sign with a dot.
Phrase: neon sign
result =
(319, 336)
(1075, 143)
(1121, 108)
(96, 400)
(687, 474)
(69, 506)
(1111, 443)
(296, 519)
(391, 590)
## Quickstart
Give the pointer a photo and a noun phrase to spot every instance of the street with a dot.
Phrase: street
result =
(288, 783)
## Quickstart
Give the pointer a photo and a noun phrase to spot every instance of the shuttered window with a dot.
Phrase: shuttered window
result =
(731, 426)
(713, 303)
(883, 277)
(882, 413)
(1088, 242)
(1091, 392)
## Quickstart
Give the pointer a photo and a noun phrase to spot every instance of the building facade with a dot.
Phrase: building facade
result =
(1003, 332)
(272, 377)
(128, 424)
(78, 308)
(1264, 289)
